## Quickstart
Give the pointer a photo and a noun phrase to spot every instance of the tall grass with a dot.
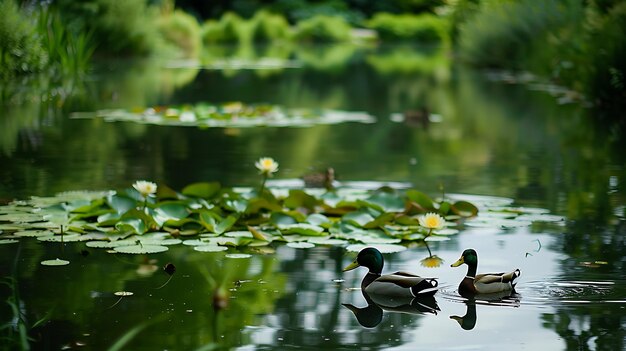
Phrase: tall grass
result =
(68, 53)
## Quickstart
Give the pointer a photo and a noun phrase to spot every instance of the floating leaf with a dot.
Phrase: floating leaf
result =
(318, 219)
(33, 233)
(326, 241)
(386, 202)
(110, 244)
(380, 221)
(464, 209)
(299, 198)
(421, 199)
(141, 249)
(301, 245)
(358, 218)
(302, 229)
(21, 217)
(121, 204)
(8, 241)
(257, 234)
(172, 210)
(372, 237)
(204, 190)
(383, 248)
(56, 262)
(226, 224)
(210, 248)
(234, 255)
(62, 238)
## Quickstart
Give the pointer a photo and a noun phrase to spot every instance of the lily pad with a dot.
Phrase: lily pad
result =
(62, 238)
(21, 217)
(8, 241)
(110, 244)
(301, 245)
(33, 233)
(383, 248)
(140, 249)
(238, 255)
(302, 229)
(210, 248)
(55, 262)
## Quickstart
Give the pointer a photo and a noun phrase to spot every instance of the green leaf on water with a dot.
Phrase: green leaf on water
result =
(140, 249)
(226, 224)
(422, 200)
(358, 218)
(302, 229)
(464, 209)
(56, 262)
(204, 190)
(387, 202)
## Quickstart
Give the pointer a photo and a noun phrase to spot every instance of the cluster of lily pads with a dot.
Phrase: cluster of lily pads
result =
(147, 218)
(233, 114)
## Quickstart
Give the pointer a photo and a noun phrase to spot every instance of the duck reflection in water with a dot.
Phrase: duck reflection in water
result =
(396, 292)
(371, 315)
(503, 299)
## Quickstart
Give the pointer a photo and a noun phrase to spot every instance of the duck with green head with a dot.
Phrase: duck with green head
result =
(395, 284)
(486, 283)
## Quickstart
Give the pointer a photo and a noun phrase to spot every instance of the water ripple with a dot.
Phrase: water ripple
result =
(563, 292)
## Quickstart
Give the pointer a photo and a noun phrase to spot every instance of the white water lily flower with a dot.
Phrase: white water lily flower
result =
(266, 165)
(145, 187)
(432, 220)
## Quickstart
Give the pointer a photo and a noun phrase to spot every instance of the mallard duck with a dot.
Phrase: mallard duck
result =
(400, 284)
(324, 179)
(488, 283)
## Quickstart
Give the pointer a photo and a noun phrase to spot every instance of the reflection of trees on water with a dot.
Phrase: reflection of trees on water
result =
(595, 251)
(588, 327)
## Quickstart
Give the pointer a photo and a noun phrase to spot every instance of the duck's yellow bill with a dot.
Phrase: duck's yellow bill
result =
(458, 263)
(351, 266)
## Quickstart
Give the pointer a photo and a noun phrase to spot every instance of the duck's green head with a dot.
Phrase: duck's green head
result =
(370, 258)
(469, 257)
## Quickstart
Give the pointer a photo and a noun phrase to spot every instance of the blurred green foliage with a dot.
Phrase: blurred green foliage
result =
(119, 27)
(323, 28)
(576, 44)
(423, 28)
(266, 26)
(181, 31)
(227, 30)
(21, 51)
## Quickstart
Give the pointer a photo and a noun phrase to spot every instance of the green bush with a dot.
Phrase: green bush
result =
(21, 51)
(320, 29)
(503, 33)
(423, 28)
(181, 30)
(607, 81)
(119, 27)
(228, 30)
(265, 27)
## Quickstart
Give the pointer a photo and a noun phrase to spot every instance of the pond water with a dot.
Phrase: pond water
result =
(487, 135)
